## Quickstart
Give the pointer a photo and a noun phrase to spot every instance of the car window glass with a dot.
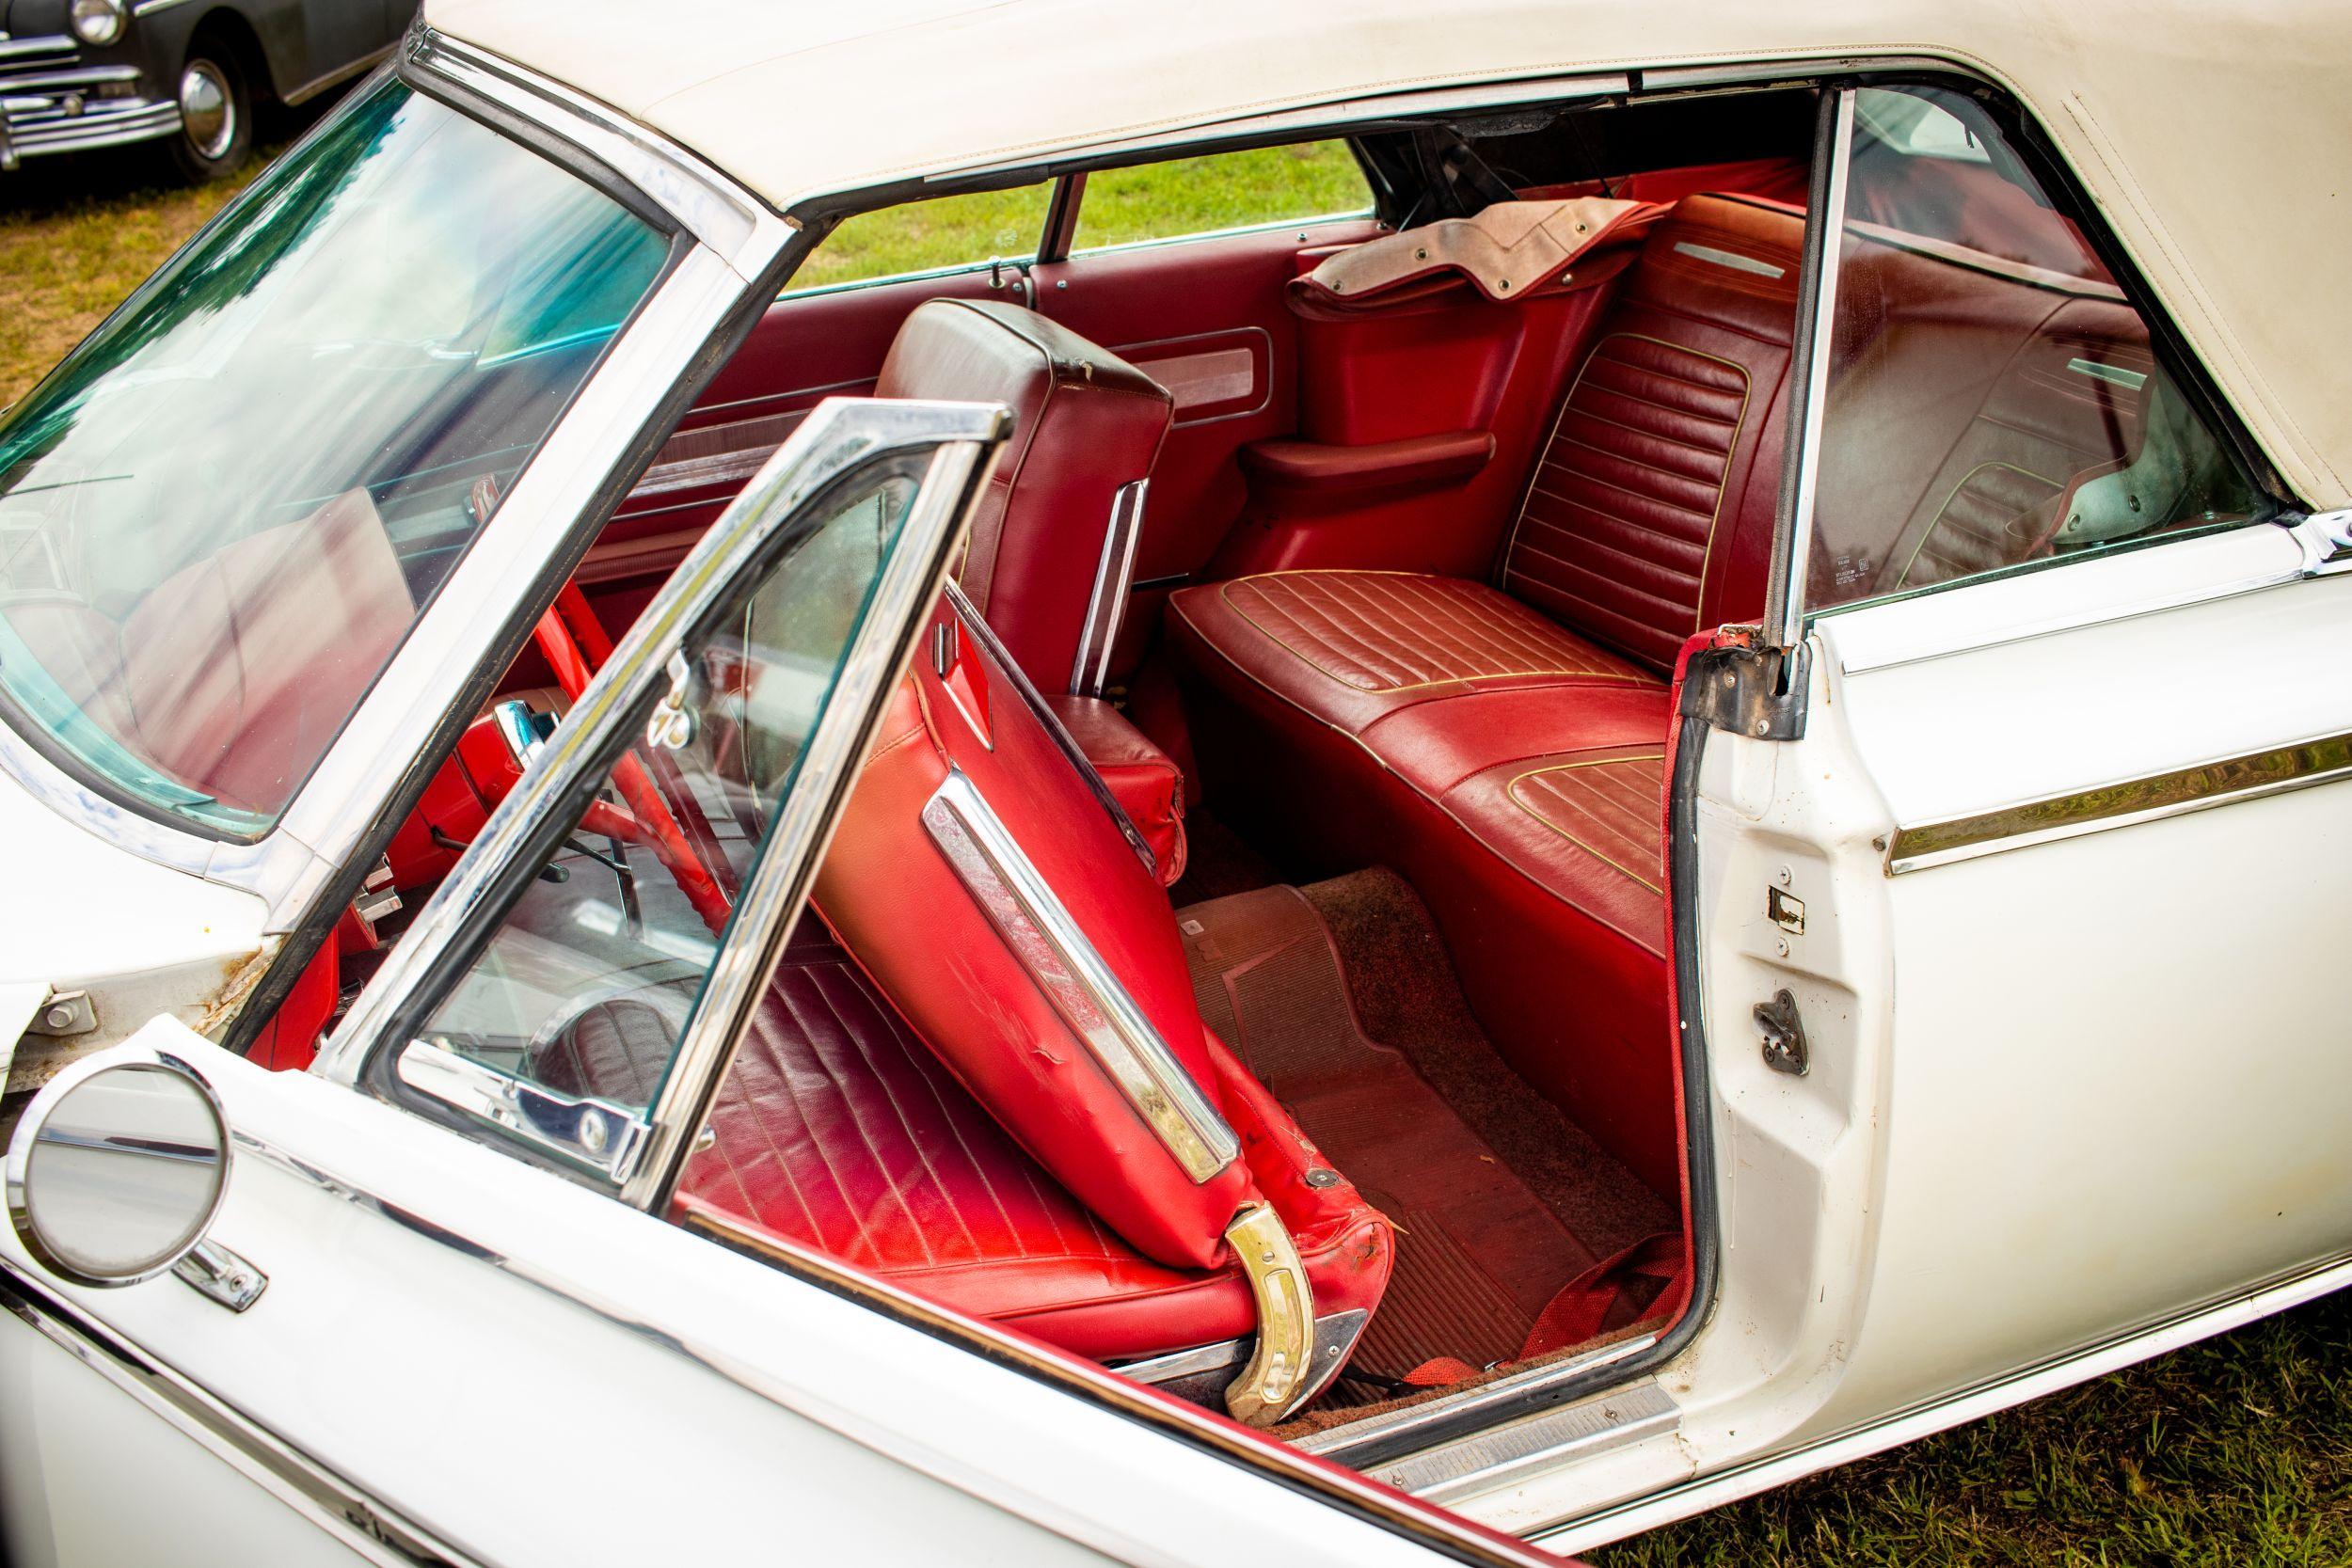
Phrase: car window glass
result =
(964, 231)
(1220, 191)
(585, 985)
(1995, 401)
(220, 516)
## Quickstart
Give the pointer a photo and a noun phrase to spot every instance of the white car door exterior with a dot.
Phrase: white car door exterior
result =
(2050, 876)
(474, 1344)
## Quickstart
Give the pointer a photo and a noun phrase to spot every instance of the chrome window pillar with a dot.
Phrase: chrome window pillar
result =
(1817, 315)
(1098, 636)
(837, 439)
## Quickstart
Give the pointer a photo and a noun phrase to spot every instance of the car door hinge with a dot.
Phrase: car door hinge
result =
(1758, 693)
(1783, 1028)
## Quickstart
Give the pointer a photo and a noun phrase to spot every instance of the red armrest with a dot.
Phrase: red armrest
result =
(1356, 471)
(1146, 783)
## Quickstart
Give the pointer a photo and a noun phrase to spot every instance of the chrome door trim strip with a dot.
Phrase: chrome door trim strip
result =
(2225, 780)
(1090, 998)
(726, 219)
(1826, 225)
(1491, 1460)
(1107, 607)
(305, 1483)
(591, 1131)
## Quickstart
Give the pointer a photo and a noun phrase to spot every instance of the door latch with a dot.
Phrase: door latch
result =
(1783, 1028)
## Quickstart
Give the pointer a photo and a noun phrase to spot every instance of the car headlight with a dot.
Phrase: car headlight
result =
(97, 22)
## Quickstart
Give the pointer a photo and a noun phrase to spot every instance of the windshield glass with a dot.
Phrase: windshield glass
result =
(221, 516)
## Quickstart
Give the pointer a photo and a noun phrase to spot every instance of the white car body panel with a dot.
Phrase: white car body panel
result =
(2167, 1147)
(734, 1412)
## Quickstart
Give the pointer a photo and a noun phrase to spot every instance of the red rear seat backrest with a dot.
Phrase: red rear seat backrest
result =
(1086, 424)
(1649, 513)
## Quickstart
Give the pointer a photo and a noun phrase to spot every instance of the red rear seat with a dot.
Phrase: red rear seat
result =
(1502, 745)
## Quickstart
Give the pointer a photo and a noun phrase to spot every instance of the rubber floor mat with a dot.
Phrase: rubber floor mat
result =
(1479, 1255)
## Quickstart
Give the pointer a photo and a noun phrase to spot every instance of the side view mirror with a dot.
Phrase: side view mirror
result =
(118, 1168)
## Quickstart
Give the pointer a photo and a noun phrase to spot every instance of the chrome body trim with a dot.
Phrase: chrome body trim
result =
(605, 1137)
(1999, 1392)
(37, 123)
(1495, 1458)
(1018, 679)
(2225, 780)
(1826, 225)
(1336, 1334)
(836, 438)
(1082, 987)
(218, 1274)
(29, 1127)
(729, 220)
(317, 85)
(1107, 607)
(1338, 1443)
(326, 1497)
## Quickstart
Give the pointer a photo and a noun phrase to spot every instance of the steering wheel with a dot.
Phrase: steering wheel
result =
(575, 644)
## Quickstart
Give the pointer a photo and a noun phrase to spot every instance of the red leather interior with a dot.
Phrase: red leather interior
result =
(838, 1131)
(1148, 784)
(900, 905)
(233, 673)
(1502, 746)
(1086, 424)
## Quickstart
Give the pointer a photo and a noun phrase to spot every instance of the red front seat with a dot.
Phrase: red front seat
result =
(1150, 1194)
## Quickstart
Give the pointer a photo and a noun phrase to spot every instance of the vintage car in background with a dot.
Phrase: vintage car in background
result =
(185, 76)
(1600, 771)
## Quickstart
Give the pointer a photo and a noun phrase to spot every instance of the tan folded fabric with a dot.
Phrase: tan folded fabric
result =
(1506, 251)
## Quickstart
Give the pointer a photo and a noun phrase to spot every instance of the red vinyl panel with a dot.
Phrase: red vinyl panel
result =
(905, 912)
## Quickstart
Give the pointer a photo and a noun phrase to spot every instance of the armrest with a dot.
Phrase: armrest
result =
(1362, 472)
(1147, 784)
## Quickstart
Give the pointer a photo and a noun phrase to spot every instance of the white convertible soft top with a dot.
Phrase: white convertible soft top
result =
(2215, 134)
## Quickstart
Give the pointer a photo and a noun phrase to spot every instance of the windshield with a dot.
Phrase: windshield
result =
(221, 516)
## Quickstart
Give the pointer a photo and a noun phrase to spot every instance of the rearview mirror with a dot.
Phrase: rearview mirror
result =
(118, 1168)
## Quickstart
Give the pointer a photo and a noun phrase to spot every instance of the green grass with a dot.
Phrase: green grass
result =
(2235, 1452)
(1187, 196)
(75, 238)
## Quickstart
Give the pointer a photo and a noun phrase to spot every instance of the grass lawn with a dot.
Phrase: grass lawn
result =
(2235, 1452)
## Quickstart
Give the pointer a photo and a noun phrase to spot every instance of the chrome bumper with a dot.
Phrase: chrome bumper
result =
(50, 103)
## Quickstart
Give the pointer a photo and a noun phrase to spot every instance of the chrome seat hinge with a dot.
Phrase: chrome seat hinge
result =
(1279, 1377)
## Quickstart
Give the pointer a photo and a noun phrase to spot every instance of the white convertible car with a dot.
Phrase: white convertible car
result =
(1538, 761)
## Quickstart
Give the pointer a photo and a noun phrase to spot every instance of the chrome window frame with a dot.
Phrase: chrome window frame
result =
(641, 1155)
(735, 240)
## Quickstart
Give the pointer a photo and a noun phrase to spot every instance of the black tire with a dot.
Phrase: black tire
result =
(216, 136)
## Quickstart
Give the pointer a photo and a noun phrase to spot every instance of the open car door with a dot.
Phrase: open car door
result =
(2007, 908)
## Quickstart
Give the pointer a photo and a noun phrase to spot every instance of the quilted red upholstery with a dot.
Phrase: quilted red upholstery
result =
(1501, 745)
(1086, 423)
(839, 1131)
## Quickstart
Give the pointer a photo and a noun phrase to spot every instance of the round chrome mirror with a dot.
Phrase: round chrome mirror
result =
(118, 1168)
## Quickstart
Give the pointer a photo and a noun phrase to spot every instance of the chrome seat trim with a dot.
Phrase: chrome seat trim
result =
(1066, 967)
